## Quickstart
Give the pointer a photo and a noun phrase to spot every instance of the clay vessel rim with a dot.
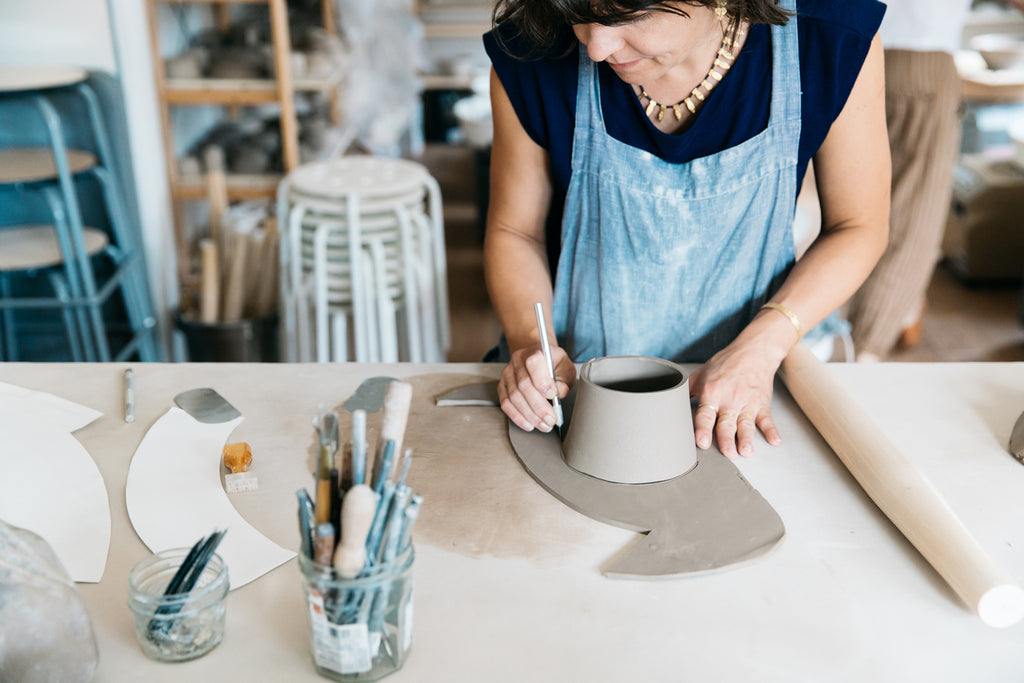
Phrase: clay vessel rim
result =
(669, 365)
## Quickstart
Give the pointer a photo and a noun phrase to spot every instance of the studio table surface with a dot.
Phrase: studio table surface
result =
(507, 579)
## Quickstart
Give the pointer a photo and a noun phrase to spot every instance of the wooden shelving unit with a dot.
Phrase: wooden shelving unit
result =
(234, 92)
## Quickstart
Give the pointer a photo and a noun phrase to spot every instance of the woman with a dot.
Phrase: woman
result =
(674, 136)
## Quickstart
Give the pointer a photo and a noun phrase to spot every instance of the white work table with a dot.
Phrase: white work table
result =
(507, 579)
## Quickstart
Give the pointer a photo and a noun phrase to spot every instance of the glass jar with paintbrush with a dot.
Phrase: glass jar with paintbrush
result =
(177, 599)
(356, 554)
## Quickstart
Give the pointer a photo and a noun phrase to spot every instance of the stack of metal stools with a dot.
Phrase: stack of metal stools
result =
(56, 262)
(363, 272)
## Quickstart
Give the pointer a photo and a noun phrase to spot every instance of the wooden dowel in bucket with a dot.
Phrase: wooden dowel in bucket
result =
(209, 281)
(234, 289)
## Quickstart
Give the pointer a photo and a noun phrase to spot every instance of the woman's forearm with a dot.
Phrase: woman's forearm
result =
(517, 276)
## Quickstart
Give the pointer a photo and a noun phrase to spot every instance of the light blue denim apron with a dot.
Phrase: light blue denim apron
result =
(673, 260)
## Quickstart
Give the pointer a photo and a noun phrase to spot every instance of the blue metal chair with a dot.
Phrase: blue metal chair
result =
(77, 291)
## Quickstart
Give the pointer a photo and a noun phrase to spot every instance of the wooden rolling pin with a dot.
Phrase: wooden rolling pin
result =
(902, 492)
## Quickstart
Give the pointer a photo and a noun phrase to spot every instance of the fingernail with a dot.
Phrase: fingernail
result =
(549, 420)
(544, 427)
(704, 442)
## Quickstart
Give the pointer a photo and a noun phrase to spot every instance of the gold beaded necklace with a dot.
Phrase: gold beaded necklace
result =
(724, 59)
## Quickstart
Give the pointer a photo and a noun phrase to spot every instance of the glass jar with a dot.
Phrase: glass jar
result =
(176, 628)
(361, 628)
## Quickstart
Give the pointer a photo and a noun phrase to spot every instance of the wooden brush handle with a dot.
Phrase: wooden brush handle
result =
(396, 415)
(901, 491)
(356, 518)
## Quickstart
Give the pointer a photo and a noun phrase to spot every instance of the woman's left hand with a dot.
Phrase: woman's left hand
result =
(734, 397)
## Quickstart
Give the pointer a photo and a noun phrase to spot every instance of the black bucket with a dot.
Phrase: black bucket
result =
(250, 340)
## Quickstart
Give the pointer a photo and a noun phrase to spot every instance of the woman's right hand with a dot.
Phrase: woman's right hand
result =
(526, 388)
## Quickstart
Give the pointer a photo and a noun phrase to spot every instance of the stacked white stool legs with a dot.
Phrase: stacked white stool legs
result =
(363, 264)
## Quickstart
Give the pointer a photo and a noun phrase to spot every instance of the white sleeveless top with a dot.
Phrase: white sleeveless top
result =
(924, 25)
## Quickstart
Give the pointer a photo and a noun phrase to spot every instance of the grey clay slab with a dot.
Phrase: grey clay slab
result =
(702, 521)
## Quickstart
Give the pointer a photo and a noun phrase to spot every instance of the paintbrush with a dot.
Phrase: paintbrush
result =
(185, 579)
(328, 431)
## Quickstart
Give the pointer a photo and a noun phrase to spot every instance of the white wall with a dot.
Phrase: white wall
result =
(56, 32)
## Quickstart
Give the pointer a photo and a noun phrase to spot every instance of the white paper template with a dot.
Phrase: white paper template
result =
(48, 482)
(174, 496)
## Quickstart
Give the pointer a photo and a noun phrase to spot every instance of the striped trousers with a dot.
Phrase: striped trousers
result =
(922, 106)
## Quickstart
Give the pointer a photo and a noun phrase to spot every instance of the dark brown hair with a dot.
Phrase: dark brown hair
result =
(546, 25)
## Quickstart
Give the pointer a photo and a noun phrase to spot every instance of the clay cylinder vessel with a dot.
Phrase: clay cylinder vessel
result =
(631, 421)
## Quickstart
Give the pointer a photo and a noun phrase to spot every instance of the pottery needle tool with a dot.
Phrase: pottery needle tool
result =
(386, 554)
(359, 446)
(403, 469)
(385, 461)
(380, 518)
(306, 515)
(129, 395)
(542, 329)
(412, 511)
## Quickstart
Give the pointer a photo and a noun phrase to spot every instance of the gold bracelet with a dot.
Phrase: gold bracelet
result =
(789, 314)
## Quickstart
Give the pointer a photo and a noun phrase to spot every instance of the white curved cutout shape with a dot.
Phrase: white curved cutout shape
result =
(49, 484)
(174, 496)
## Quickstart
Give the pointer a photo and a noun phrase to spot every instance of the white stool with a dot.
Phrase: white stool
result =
(363, 243)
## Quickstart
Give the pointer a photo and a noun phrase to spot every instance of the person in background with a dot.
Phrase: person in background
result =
(922, 107)
(646, 160)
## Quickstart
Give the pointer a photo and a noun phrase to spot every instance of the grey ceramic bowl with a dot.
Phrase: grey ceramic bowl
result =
(1000, 50)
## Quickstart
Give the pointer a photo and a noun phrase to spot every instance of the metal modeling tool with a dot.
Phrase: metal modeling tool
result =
(206, 405)
(1016, 446)
(129, 395)
(542, 329)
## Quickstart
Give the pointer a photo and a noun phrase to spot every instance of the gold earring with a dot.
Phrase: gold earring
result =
(720, 10)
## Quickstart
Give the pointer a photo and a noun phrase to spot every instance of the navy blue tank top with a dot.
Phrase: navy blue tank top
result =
(834, 36)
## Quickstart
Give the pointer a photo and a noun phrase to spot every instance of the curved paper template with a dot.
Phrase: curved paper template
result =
(702, 521)
(48, 482)
(174, 496)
